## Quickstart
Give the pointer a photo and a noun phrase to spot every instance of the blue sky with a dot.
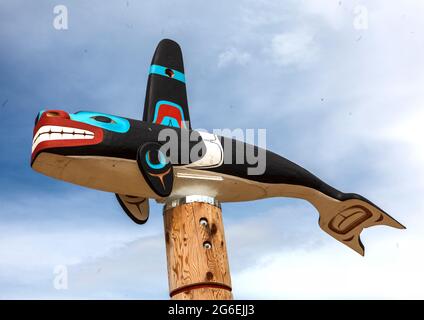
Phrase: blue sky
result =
(342, 101)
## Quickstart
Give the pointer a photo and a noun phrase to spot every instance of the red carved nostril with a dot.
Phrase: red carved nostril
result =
(56, 114)
(52, 114)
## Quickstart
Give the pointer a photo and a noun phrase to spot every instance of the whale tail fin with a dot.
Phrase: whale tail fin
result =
(345, 220)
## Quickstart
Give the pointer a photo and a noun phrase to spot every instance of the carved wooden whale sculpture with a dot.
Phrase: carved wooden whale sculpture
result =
(125, 156)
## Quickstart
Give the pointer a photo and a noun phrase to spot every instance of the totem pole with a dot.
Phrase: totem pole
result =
(190, 172)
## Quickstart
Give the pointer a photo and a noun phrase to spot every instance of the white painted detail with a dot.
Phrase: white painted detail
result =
(214, 156)
(50, 133)
(199, 176)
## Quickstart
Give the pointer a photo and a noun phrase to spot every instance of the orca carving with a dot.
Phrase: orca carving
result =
(126, 157)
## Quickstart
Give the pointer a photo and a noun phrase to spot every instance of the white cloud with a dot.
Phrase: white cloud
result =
(233, 56)
(135, 270)
(409, 130)
(296, 48)
(325, 273)
(334, 13)
(78, 227)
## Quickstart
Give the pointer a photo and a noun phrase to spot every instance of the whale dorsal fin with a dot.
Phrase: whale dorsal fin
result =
(166, 96)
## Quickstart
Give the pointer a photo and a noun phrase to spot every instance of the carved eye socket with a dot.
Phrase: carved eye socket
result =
(103, 119)
(169, 73)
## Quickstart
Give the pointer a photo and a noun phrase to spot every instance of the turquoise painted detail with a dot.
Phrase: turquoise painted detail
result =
(162, 161)
(39, 114)
(170, 122)
(161, 70)
(117, 124)
(167, 120)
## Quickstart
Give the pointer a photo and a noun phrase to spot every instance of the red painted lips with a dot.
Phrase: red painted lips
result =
(56, 129)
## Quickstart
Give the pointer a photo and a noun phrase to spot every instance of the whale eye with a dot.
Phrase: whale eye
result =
(103, 119)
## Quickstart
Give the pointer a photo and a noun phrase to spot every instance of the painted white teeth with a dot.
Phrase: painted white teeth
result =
(49, 133)
(67, 136)
(79, 131)
(55, 136)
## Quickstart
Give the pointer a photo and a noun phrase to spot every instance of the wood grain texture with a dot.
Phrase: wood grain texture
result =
(196, 271)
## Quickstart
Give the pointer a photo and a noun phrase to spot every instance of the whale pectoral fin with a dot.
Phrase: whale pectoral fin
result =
(156, 169)
(137, 208)
(345, 220)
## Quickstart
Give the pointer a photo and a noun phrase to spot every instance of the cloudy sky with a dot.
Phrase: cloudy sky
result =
(337, 84)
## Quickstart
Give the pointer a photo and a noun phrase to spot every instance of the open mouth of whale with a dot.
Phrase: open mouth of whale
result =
(57, 133)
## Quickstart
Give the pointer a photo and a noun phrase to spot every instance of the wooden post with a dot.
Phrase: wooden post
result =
(196, 250)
